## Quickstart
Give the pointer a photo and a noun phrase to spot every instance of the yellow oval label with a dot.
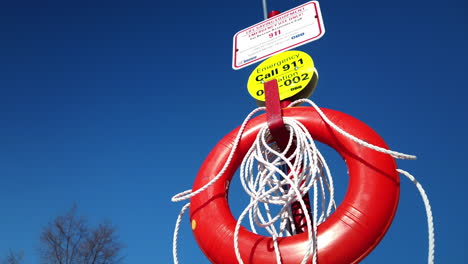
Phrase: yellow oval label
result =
(293, 69)
(194, 224)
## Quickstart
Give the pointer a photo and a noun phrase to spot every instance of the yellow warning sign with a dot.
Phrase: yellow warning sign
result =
(293, 69)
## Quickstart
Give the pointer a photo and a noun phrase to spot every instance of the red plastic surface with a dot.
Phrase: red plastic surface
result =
(275, 114)
(350, 233)
(273, 13)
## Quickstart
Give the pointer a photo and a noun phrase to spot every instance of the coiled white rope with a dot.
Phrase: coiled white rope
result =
(265, 183)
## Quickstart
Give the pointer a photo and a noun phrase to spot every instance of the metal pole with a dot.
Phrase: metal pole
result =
(265, 9)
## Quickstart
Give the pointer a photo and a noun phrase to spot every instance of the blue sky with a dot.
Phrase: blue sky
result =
(113, 105)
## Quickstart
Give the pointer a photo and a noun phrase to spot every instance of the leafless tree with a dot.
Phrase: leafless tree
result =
(13, 257)
(69, 240)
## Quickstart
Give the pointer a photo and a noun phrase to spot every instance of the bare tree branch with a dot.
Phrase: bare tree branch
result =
(69, 240)
(13, 257)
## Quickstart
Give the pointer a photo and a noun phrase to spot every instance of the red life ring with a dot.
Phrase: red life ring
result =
(347, 236)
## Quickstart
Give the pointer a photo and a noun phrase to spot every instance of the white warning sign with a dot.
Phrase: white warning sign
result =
(285, 31)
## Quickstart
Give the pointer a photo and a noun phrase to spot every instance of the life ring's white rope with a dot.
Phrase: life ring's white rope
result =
(266, 186)
(430, 220)
(176, 232)
(395, 154)
(307, 169)
(189, 193)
